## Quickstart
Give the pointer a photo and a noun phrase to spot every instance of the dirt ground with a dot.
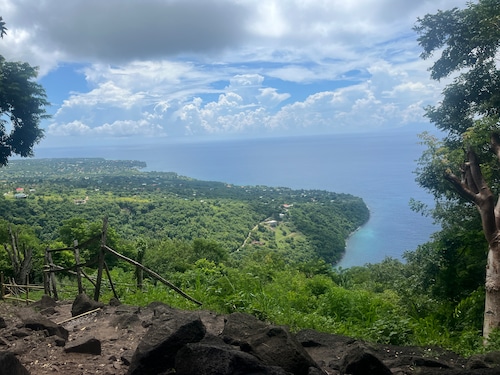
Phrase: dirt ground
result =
(41, 355)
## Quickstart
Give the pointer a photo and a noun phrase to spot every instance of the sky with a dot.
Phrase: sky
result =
(125, 71)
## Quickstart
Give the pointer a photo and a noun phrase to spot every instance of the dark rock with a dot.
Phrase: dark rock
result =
(83, 304)
(88, 345)
(44, 302)
(273, 345)
(37, 322)
(221, 359)
(114, 302)
(238, 327)
(3, 324)
(157, 350)
(476, 363)
(125, 309)
(59, 341)
(125, 321)
(48, 311)
(492, 358)
(22, 332)
(10, 365)
(428, 362)
(360, 361)
(126, 357)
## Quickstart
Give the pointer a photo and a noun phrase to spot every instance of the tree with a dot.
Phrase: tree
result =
(22, 107)
(3, 29)
(463, 168)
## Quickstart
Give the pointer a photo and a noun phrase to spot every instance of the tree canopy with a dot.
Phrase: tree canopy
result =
(22, 107)
(462, 170)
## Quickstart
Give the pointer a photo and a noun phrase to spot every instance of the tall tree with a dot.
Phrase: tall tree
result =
(463, 168)
(22, 107)
(3, 29)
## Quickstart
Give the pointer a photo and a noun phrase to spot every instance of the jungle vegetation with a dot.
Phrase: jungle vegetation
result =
(267, 251)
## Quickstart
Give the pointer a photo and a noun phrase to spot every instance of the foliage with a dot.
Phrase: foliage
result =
(162, 206)
(22, 107)
(3, 28)
(192, 233)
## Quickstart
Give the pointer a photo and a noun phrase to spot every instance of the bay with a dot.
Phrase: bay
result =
(377, 167)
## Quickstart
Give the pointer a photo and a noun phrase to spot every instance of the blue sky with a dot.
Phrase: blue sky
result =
(122, 70)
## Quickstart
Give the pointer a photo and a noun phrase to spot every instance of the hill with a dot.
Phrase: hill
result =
(45, 193)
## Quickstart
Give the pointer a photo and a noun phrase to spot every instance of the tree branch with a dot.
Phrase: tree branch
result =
(495, 147)
(473, 187)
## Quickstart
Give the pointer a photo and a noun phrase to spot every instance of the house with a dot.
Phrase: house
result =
(272, 223)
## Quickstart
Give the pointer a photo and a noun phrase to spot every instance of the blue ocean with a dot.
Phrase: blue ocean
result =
(377, 167)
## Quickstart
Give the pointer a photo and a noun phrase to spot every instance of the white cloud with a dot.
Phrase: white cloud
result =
(181, 67)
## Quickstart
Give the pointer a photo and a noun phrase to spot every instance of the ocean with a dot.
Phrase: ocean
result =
(376, 167)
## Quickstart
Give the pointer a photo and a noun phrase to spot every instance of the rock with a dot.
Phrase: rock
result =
(37, 322)
(222, 359)
(428, 362)
(83, 304)
(360, 361)
(273, 345)
(48, 311)
(238, 327)
(59, 341)
(86, 345)
(125, 321)
(10, 365)
(114, 302)
(126, 357)
(3, 324)
(45, 302)
(22, 332)
(169, 332)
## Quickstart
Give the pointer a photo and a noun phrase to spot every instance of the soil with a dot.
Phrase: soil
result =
(41, 355)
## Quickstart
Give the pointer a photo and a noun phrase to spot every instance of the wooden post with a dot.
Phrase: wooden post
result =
(100, 265)
(27, 289)
(78, 269)
(46, 275)
(2, 286)
(110, 281)
(52, 276)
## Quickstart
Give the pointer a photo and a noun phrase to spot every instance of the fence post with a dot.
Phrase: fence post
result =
(46, 273)
(100, 265)
(52, 276)
(78, 270)
(27, 289)
(110, 281)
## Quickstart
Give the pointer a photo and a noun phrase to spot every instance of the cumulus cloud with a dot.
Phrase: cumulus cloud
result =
(182, 67)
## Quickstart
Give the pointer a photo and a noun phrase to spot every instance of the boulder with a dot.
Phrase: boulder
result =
(219, 358)
(273, 345)
(83, 304)
(86, 345)
(359, 360)
(168, 333)
(37, 322)
(9, 364)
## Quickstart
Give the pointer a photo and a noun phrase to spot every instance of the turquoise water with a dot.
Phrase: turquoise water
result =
(377, 167)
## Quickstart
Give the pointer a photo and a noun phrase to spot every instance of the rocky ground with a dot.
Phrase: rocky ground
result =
(44, 338)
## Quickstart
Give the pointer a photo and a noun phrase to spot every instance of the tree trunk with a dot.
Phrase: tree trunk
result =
(492, 298)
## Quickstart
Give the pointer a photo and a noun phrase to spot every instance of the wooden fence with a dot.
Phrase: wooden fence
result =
(51, 269)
